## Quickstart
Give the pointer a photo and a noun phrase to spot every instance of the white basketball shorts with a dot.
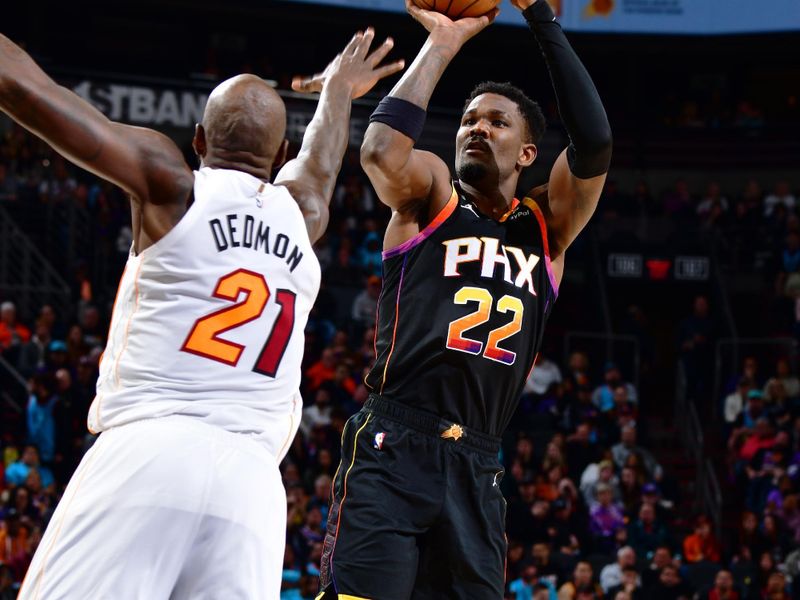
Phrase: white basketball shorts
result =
(167, 508)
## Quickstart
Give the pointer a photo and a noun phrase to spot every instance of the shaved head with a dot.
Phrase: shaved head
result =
(244, 124)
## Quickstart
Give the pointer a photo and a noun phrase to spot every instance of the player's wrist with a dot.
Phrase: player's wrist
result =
(447, 40)
(538, 12)
(339, 83)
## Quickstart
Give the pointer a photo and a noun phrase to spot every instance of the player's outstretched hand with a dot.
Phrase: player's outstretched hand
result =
(463, 29)
(355, 66)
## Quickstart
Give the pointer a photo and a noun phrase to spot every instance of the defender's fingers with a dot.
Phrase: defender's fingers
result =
(352, 45)
(381, 51)
(307, 84)
(365, 42)
(389, 69)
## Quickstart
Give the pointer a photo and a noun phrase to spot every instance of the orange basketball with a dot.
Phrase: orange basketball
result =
(455, 9)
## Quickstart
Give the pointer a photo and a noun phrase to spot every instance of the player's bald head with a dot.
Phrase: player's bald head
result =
(244, 121)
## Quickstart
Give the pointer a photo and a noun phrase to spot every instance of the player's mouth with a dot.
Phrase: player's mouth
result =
(477, 146)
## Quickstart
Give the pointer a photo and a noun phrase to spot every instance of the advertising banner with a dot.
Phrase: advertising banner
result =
(700, 17)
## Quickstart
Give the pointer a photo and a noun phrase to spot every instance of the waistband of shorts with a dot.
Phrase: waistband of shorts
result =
(431, 424)
(186, 423)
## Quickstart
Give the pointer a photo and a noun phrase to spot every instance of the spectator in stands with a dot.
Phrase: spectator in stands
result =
(12, 332)
(701, 545)
(8, 184)
(344, 270)
(581, 451)
(713, 198)
(647, 532)
(784, 375)
(370, 257)
(628, 446)
(630, 486)
(782, 195)
(31, 355)
(525, 587)
(544, 374)
(40, 419)
(723, 588)
(365, 304)
(776, 587)
(631, 585)
(611, 575)
(319, 413)
(787, 282)
(17, 472)
(548, 569)
(321, 371)
(662, 556)
(696, 336)
(595, 475)
(581, 584)
(678, 202)
(605, 519)
(603, 395)
(669, 586)
(735, 401)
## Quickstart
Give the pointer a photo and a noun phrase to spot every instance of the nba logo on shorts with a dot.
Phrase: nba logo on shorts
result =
(378, 443)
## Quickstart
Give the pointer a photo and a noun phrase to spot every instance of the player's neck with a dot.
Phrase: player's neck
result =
(494, 202)
(260, 169)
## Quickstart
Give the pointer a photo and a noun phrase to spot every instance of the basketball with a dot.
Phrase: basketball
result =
(456, 9)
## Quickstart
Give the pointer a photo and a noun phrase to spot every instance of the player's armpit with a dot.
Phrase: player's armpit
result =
(85, 136)
(571, 202)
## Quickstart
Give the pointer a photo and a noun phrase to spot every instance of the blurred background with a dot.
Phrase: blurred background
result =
(656, 448)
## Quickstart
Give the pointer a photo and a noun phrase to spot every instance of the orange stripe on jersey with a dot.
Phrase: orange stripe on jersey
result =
(512, 208)
(448, 209)
(537, 212)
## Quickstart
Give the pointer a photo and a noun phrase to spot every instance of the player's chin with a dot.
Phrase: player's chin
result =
(472, 170)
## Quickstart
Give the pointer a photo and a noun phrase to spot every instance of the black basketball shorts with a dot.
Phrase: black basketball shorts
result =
(416, 511)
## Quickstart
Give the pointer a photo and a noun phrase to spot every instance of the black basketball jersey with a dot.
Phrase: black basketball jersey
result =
(462, 312)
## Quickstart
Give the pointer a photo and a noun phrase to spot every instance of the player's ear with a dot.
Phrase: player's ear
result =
(280, 157)
(527, 155)
(199, 141)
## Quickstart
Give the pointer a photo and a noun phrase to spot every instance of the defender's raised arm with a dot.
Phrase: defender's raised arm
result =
(312, 175)
(143, 162)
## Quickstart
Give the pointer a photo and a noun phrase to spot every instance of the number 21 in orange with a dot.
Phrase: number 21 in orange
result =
(203, 340)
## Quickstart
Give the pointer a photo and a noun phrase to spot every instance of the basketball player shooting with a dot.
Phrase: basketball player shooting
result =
(470, 278)
(197, 398)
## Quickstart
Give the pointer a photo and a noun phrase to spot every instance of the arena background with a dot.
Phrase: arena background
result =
(685, 284)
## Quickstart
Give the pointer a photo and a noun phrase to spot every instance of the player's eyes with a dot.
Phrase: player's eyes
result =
(468, 122)
(499, 123)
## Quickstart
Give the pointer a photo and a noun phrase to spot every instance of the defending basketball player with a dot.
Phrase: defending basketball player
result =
(197, 398)
(470, 278)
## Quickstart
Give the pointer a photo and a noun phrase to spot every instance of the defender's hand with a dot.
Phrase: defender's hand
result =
(460, 29)
(354, 67)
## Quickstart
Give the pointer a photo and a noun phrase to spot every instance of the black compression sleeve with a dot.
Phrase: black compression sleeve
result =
(579, 104)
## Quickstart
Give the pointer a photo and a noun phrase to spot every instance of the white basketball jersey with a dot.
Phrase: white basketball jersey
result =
(208, 322)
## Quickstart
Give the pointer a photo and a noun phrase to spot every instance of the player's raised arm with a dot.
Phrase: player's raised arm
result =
(144, 163)
(312, 175)
(577, 177)
(402, 176)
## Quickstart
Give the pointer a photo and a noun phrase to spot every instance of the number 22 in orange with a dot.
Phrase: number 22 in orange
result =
(203, 340)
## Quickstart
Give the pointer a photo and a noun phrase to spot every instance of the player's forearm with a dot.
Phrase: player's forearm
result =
(385, 146)
(326, 136)
(579, 103)
(419, 81)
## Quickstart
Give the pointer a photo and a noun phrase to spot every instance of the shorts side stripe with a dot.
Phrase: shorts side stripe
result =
(344, 496)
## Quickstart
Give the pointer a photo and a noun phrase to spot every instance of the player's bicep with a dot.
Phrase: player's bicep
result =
(571, 203)
(297, 176)
(424, 176)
